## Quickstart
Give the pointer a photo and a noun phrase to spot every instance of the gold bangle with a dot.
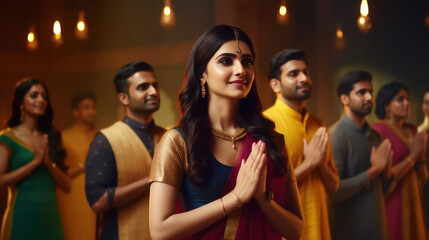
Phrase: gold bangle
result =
(238, 200)
(269, 199)
(53, 165)
(223, 207)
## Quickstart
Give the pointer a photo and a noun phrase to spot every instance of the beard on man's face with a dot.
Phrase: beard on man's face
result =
(148, 106)
(297, 93)
(362, 111)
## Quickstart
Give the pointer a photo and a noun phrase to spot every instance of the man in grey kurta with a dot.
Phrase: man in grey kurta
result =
(358, 206)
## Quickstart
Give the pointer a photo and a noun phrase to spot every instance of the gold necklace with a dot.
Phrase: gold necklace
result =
(229, 137)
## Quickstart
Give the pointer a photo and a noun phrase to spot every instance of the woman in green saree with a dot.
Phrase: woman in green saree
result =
(31, 165)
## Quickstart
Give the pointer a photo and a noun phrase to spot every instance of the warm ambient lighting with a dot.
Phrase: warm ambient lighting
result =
(167, 10)
(340, 41)
(80, 26)
(30, 37)
(81, 31)
(363, 22)
(32, 43)
(57, 29)
(283, 10)
(340, 33)
(168, 19)
(57, 37)
(282, 16)
(364, 10)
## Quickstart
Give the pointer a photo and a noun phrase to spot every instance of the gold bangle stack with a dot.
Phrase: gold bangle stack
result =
(238, 200)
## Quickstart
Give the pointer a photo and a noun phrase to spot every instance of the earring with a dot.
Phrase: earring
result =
(22, 117)
(203, 89)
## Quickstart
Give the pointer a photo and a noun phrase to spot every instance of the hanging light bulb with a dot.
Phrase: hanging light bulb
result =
(81, 31)
(32, 43)
(340, 33)
(168, 19)
(340, 41)
(282, 16)
(363, 22)
(57, 37)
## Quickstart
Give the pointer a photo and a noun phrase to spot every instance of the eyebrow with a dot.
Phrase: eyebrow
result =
(298, 69)
(37, 91)
(234, 55)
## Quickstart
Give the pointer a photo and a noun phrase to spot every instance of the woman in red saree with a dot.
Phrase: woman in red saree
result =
(403, 200)
(224, 164)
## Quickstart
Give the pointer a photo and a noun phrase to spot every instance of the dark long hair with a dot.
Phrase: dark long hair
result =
(56, 149)
(194, 108)
(385, 96)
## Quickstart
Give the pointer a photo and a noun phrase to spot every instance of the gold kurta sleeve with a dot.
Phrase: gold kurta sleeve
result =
(169, 163)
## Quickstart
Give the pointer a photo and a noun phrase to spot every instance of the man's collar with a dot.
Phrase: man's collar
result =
(138, 125)
(289, 111)
(353, 125)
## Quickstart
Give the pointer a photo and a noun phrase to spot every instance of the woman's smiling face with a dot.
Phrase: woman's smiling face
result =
(230, 72)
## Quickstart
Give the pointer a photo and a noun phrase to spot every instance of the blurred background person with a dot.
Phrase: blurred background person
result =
(425, 107)
(305, 137)
(31, 165)
(360, 156)
(404, 207)
(120, 156)
(424, 127)
(79, 221)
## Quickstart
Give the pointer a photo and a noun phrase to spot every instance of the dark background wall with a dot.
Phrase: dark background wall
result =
(395, 49)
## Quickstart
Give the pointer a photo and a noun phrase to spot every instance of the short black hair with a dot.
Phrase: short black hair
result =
(385, 96)
(281, 58)
(79, 97)
(120, 81)
(345, 86)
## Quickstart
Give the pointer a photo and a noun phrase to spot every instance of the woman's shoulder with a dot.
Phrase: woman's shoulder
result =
(6, 134)
(173, 145)
(175, 134)
(7, 139)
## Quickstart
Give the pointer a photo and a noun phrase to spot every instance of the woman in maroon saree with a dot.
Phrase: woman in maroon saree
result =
(403, 199)
(224, 164)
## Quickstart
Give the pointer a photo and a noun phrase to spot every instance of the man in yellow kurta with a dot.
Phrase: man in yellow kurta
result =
(306, 139)
(77, 217)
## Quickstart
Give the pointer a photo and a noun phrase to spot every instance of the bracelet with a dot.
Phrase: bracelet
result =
(223, 207)
(53, 165)
(269, 199)
(238, 200)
